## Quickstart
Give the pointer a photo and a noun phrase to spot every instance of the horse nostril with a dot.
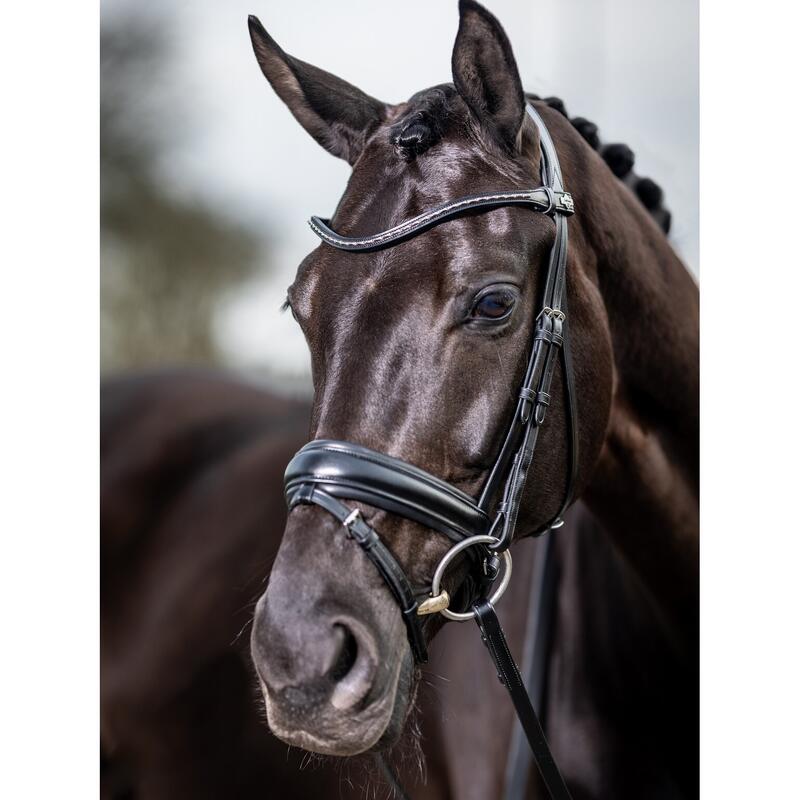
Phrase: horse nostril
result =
(348, 652)
(353, 672)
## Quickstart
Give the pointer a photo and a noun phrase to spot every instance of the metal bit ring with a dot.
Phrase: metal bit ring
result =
(450, 555)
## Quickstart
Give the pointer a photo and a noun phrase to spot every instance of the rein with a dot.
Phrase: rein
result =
(326, 472)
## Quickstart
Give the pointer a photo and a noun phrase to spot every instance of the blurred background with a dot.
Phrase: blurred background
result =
(207, 180)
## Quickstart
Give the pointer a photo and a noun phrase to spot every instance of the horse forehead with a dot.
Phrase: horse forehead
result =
(455, 165)
(385, 190)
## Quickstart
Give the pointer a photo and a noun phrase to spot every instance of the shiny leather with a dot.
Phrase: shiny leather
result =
(551, 337)
(542, 199)
(354, 472)
(493, 637)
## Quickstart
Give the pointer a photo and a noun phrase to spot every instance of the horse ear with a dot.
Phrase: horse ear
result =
(339, 116)
(486, 75)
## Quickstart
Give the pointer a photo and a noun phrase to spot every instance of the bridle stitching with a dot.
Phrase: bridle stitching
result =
(422, 220)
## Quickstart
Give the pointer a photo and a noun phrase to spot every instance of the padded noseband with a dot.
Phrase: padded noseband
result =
(350, 471)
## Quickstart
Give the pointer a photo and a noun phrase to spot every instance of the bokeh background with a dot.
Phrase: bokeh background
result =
(207, 180)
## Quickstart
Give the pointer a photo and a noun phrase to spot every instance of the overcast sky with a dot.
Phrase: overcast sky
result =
(630, 66)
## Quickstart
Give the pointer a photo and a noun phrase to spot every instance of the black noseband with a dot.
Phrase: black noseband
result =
(349, 471)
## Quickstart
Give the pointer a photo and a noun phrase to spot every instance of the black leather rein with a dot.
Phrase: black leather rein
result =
(325, 473)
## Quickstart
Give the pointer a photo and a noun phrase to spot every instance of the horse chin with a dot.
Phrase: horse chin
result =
(376, 726)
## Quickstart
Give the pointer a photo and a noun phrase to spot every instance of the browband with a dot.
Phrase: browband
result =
(543, 199)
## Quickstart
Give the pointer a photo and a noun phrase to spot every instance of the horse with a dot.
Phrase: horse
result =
(191, 499)
(191, 518)
(187, 534)
(416, 351)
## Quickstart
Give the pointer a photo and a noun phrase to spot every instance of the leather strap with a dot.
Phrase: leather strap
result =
(534, 662)
(572, 422)
(542, 199)
(377, 552)
(551, 337)
(353, 472)
(495, 641)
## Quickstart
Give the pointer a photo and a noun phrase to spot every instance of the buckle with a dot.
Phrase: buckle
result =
(553, 313)
(351, 518)
(565, 203)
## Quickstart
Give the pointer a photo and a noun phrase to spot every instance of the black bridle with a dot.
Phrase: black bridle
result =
(326, 472)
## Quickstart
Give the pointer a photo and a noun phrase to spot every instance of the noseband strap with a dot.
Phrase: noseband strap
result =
(378, 553)
(350, 471)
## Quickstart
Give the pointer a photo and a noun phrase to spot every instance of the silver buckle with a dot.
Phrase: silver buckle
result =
(351, 518)
(566, 203)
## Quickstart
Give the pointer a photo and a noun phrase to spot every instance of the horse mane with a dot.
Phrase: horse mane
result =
(620, 160)
(423, 125)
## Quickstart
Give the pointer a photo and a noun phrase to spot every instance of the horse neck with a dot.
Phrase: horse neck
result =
(645, 486)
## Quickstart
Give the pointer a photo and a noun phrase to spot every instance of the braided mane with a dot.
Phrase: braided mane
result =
(620, 160)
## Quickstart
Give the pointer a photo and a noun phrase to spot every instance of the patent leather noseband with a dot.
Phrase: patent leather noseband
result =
(325, 473)
(353, 472)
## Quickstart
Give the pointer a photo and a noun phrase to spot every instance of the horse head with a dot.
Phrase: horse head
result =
(417, 351)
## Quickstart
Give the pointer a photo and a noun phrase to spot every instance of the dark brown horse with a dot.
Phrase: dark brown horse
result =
(192, 469)
(416, 352)
(191, 510)
(192, 516)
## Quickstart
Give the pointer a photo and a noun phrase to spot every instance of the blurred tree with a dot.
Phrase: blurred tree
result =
(165, 261)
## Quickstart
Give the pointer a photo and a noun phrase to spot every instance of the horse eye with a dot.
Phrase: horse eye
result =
(287, 306)
(493, 305)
